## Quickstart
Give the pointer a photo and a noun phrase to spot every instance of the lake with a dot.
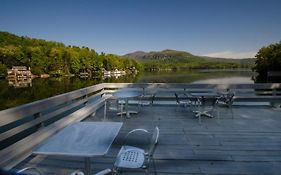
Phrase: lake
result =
(17, 93)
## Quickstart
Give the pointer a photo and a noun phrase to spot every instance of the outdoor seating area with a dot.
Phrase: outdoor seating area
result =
(164, 137)
(247, 144)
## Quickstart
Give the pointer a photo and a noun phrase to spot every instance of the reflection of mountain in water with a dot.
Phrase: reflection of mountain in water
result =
(226, 80)
(213, 76)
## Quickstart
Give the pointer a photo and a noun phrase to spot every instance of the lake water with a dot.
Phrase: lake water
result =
(38, 88)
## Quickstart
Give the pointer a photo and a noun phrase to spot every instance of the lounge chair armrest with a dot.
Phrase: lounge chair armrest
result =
(136, 130)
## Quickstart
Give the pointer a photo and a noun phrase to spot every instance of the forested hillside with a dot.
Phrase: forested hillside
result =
(57, 59)
(54, 58)
(172, 59)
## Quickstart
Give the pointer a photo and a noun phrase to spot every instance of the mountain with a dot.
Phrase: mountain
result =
(136, 55)
(173, 59)
(162, 55)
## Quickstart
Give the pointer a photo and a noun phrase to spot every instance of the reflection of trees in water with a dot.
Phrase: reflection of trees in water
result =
(264, 79)
(259, 79)
(44, 88)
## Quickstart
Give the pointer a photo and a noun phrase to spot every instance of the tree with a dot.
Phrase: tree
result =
(268, 59)
(3, 70)
(10, 55)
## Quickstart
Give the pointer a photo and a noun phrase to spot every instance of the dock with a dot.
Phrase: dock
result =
(247, 143)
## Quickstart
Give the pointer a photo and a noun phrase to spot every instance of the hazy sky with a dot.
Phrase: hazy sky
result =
(226, 28)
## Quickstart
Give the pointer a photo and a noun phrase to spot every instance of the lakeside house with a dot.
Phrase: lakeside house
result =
(19, 72)
(84, 75)
(114, 73)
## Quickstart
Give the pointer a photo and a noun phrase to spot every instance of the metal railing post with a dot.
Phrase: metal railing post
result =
(38, 116)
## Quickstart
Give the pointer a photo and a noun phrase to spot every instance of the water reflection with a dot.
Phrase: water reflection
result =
(40, 88)
(227, 80)
(20, 83)
(214, 76)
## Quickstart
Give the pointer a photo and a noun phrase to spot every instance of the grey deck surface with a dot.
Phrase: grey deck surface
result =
(248, 144)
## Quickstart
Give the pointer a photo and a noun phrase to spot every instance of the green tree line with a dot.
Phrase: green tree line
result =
(54, 58)
(195, 63)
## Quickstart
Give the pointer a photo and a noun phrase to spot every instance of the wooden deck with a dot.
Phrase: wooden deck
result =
(250, 143)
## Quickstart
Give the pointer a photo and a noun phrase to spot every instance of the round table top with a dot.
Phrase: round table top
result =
(126, 94)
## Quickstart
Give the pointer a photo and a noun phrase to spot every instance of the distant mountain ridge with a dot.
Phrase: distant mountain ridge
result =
(168, 53)
(174, 59)
(158, 55)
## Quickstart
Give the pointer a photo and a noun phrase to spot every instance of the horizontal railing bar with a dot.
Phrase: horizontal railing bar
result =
(187, 86)
(257, 98)
(13, 114)
(94, 88)
(43, 118)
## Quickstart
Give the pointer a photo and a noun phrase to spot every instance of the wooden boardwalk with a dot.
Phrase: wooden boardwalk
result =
(250, 143)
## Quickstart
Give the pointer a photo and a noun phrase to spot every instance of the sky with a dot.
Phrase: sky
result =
(219, 28)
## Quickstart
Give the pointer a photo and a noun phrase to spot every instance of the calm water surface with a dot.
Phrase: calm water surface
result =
(38, 88)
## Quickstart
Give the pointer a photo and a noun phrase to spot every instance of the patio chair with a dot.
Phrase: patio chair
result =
(113, 104)
(187, 101)
(182, 102)
(226, 100)
(206, 108)
(146, 100)
(133, 157)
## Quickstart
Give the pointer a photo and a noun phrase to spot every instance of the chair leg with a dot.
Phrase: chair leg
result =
(152, 100)
(146, 171)
(104, 112)
(115, 170)
(121, 111)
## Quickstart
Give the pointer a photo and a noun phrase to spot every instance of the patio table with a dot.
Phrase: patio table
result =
(83, 139)
(204, 97)
(126, 95)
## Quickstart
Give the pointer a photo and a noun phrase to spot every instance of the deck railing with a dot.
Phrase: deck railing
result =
(25, 126)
